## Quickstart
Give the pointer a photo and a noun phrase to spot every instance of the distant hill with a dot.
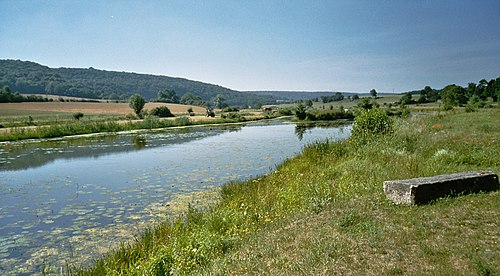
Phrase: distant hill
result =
(292, 96)
(31, 77)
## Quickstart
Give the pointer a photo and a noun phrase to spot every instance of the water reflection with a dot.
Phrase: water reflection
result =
(303, 127)
(25, 155)
(139, 142)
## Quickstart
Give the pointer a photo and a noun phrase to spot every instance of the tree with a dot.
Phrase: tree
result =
(373, 92)
(366, 103)
(406, 99)
(137, 102)
(167, 96)
(355, 97)
(191, 99)
(300, 111)
(309, 103)
(220, 101)
(453, 95)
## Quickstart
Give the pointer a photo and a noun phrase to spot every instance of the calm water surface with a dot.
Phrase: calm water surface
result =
(67, 201)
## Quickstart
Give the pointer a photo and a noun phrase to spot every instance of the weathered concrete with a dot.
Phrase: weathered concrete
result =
(425, 189)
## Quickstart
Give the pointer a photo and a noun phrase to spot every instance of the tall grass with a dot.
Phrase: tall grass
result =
(69, 128)
(324, 212)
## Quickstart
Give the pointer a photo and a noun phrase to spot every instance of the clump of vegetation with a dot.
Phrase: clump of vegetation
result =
(230, 109)
(301, 111)
(236, 116)
(7, 96)
(285, 111)
(330, 115)
(371, 122)
(190, 111)
(162, 112)
(78, 115)
(137, 102)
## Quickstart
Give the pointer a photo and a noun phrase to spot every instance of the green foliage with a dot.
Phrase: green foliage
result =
(6, 96)
(285, 111)
(367, 103)
(334, 98)
(230, 109)
(428, 95)
(191, 99)
(167, 96)
(78, 115)
(220, 101)
(371, 122)
(309, 103)
(406, 99)
(137, 102)
(453, 95)
(373, 93)
(316, 115)
(300, 111)
(162, 112)
(233, 116)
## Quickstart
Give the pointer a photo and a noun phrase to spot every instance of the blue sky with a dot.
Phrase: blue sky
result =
(389, 45)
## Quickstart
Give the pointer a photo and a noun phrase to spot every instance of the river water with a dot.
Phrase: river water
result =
(67, 201)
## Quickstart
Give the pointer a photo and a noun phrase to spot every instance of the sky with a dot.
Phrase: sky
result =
(310, 45)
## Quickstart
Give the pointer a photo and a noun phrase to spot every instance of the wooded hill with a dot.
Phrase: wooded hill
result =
(31, 77)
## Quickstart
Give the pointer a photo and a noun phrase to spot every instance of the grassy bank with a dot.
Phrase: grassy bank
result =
(324, 212)
(69, 128)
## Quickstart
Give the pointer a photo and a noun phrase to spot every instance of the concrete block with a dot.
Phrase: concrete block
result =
(425, 189)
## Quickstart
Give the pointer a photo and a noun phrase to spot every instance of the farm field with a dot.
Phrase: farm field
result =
(87, 108)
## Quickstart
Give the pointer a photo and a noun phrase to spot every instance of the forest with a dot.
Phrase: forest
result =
(33, 78)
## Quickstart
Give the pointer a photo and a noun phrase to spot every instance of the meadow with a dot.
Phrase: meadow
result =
(324, 212)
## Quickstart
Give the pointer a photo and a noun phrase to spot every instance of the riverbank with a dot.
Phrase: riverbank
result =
(74, 128)
(324, 212)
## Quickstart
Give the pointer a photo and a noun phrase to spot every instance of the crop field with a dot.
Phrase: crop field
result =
(87, 108)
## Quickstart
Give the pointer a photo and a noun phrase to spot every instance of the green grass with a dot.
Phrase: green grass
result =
(324, 212)
(100, 124)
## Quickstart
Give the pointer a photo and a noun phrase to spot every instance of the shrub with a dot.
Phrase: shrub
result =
(372, 122)
(300, 111)
(285, 111)
(231, 109)
(162, 112)
(78, 115)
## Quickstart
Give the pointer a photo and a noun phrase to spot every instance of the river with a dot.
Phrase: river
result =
(67, 201)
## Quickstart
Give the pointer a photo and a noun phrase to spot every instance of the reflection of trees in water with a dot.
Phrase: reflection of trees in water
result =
(139, 142)
(24, 155)
(301, 128)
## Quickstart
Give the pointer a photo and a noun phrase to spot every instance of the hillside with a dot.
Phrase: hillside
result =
(291, 96)
(31, 77)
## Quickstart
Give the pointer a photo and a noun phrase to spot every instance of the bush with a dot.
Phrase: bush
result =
(300, 111)
(329, 115)
(233, 116)
(285, 111)
(78, 115)
(162, 112)
(230, 109)
(372, 122)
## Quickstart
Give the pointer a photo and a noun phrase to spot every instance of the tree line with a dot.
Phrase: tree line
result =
(30, 77)
(474, 95)
(6, 96)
